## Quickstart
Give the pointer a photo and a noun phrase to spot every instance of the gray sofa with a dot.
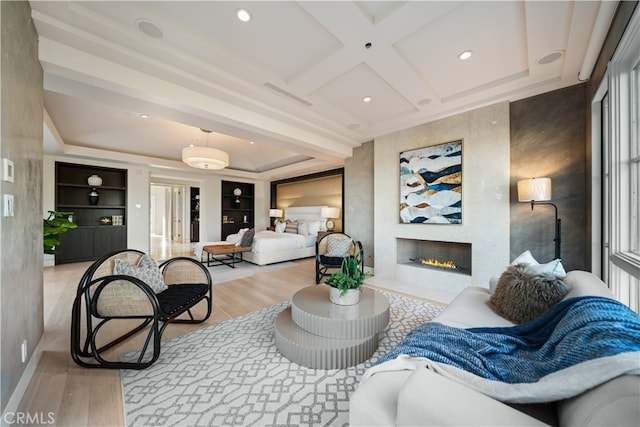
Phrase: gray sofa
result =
(421, 397)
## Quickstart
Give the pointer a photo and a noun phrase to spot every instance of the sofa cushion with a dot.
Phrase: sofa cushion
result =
(521, 297)
(469, 309)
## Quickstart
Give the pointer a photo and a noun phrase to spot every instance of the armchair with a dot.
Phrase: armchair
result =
(103, 296)
(332, 248)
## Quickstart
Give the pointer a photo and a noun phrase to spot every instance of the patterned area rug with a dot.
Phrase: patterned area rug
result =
(231, 374)
(222, 273)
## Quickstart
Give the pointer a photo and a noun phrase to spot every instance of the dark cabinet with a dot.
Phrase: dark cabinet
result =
(237, 206)
(195, 214)
(101, 219)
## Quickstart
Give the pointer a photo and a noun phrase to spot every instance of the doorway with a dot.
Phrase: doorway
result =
(166, 225)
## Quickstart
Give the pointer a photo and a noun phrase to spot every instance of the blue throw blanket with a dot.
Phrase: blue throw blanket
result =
(573, 331)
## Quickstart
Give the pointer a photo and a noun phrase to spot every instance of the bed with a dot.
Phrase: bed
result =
(269, 247)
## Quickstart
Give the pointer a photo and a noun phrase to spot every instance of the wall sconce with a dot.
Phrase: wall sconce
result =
(538, 191)
(275, 213)
(329, 214)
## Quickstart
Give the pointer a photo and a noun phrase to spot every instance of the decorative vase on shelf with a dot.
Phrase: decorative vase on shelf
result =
(94, 196)
(94, 181)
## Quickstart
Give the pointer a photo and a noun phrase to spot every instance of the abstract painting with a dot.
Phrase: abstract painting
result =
(431, 184)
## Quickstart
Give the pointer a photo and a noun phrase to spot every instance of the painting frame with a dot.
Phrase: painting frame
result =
(431, 184)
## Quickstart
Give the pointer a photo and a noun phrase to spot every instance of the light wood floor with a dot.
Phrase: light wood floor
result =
(93, 397)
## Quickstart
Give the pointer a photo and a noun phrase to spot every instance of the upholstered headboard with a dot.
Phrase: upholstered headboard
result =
(304, 213)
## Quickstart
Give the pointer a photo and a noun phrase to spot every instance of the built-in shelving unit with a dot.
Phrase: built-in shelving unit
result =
(237, 206)
(101, 225)
(195, 214)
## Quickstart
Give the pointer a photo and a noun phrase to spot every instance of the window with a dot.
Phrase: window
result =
(618, 124)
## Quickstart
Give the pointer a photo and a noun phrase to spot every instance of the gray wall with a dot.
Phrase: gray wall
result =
(21, 252)
(548, 139)
(359, 198)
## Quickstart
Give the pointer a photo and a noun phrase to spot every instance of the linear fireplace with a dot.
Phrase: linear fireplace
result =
(453, 257)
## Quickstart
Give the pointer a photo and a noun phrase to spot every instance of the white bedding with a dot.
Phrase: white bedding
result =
(269, 247)
(270, 241)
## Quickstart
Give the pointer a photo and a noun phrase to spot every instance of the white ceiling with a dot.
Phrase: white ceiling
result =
(292, 79)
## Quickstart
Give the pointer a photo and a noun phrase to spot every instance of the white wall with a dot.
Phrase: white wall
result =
(485, 203)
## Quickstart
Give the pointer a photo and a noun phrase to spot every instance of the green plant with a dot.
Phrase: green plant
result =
(348, 277)
(56, 223)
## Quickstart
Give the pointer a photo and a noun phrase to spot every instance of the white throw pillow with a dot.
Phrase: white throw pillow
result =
(280, 227)
(554, 269)
(524, 258)
(303, 228)
(314, 228)
(337, 247)
(147, 270)
(236, 237)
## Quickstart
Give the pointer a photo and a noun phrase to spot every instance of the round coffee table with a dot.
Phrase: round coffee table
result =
(316, 333)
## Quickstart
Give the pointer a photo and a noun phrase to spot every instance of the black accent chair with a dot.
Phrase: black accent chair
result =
(102, 297)
(325, 262)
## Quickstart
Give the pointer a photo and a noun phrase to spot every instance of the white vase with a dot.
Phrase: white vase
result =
(94, 181)
(350, 297)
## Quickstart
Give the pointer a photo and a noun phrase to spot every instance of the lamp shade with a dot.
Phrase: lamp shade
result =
(205, 158)
(328, 212)
(275, 213)
(536, 189)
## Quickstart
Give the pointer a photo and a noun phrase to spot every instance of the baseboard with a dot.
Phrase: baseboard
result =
(18, 393)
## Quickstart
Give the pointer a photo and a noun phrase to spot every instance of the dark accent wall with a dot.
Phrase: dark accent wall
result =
(548, 139)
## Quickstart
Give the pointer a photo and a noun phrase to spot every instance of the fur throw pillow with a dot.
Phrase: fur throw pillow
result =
(521, 297)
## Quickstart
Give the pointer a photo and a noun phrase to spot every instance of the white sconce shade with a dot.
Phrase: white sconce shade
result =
(328, 212)
(205, 158)
(534, 189)
(275, 213)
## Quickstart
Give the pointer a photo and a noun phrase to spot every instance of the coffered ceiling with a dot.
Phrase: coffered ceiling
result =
(283, 93)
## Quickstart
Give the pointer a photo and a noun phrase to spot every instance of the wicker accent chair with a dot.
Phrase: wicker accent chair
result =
(102, 297)
(326, 262)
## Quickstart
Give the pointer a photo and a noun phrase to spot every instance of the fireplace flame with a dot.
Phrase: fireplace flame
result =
(435, 263)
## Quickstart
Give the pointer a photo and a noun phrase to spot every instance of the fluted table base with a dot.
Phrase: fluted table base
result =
(318, 334)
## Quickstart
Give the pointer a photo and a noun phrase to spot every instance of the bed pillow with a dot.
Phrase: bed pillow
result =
(314, 228)
(147, 270)
(337, 247)
(292, 227)
(303, 228)
(247, 238)
(280, 227)
(521, 297)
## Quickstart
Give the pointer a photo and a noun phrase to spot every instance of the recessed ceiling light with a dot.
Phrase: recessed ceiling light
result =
(149, 28)
(367, 99)
(251, 142)
(424, 101)
(144, 116)
(465, 55)
(243, 14)
(353, 126)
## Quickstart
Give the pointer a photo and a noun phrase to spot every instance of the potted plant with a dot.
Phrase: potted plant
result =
(346, 284)
(56, 223)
